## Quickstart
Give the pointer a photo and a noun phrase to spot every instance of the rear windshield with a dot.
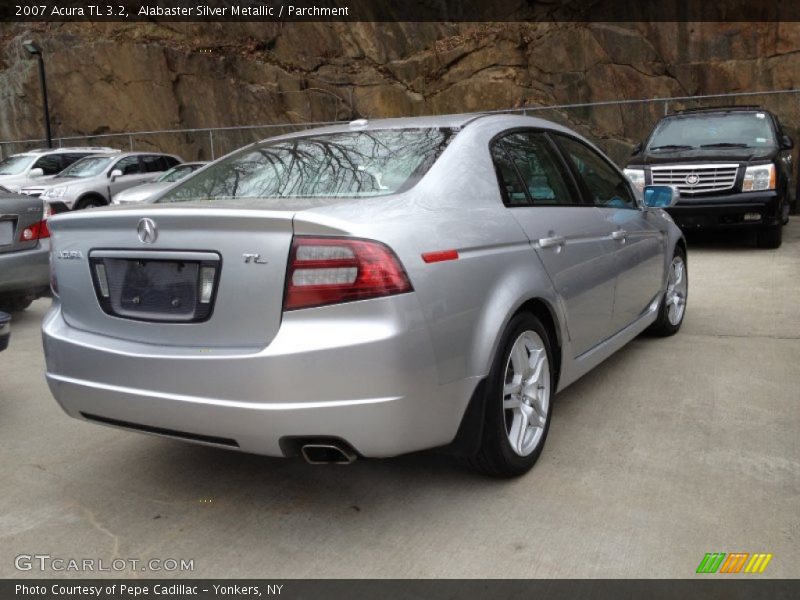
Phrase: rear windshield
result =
(349, 164)
(14, 165)
(744, 130)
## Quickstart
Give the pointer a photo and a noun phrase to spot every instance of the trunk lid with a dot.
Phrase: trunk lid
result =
(142, 273)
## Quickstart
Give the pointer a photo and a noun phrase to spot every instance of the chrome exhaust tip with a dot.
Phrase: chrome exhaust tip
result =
(327, 454)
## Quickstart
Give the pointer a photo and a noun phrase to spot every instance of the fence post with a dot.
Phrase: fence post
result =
(666, 107)
(211, 142)
(130, 142)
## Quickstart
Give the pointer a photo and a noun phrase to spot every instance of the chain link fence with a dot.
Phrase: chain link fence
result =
(616, 126)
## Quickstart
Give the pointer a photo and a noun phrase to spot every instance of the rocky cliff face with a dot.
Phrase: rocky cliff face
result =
(106, 78)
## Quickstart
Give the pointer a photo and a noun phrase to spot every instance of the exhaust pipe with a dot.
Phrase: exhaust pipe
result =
(331, 453)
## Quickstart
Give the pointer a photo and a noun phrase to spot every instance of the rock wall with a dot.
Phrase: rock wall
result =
(112, 77)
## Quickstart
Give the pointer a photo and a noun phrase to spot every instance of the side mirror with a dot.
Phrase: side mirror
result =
(787, 143)
(114, 174)
(660, 196)
(636, 149)
(37, 172)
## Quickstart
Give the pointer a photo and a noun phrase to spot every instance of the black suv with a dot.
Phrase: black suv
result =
(732, 167)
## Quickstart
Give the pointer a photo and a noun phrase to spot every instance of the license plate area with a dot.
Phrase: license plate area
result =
(6, 232)
(178, 287)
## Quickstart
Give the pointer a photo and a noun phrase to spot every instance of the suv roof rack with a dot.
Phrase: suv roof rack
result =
(720, 109)
(71, 149)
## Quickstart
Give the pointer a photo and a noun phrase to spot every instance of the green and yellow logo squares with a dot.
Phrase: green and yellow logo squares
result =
(721, 562)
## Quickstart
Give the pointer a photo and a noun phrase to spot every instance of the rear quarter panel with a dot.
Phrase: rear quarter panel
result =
(457, 205)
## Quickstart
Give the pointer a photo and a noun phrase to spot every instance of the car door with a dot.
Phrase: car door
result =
(132, 174)
(566, 233)
(635, 243)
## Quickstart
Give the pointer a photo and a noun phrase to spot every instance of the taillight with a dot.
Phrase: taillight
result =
(333, 270)
(39, 230)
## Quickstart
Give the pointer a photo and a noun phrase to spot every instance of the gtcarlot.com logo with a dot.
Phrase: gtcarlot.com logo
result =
(735, 562)
(45, 562)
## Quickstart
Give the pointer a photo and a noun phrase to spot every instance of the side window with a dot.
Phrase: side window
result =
(170, 161)
(49, 164)
(607, 187)
(538, 168)
(128, 165)
(154, 163)
(528, 171)
(511, 188)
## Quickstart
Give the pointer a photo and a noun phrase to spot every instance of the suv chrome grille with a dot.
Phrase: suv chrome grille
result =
(696, 179)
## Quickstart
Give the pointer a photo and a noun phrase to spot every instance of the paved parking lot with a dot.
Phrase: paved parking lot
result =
(671, 449)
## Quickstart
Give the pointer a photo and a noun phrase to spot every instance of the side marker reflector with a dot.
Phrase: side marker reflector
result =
(440, 256)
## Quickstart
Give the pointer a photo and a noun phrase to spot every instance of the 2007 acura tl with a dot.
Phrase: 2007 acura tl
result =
(368, 289)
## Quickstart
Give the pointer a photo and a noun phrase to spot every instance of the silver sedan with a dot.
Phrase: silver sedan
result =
(368, 289)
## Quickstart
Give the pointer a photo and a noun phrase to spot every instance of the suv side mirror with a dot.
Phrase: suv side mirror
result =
(114, 174)
(660, 196)
(636, 149)
(787, 143)
(37, 172)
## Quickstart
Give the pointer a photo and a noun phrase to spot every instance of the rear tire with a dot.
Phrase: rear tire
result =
(15, 303)
(673, 303)
(770, 236)
(518, 400)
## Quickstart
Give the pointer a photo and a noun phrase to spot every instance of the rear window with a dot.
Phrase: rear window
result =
(348, 164)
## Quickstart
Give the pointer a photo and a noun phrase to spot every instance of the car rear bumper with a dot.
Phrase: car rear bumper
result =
(728, 210)
(371, 382)
(26, 271)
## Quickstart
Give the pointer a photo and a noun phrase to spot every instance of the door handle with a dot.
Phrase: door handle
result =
(619, 234)
(547, 242)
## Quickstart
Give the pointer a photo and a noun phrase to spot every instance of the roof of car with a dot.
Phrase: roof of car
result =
(92, 149)
(719, 109)
(454, 121)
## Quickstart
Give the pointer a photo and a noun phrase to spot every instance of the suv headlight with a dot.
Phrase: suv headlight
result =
(760, 177)
(54, 192)
(636, 177)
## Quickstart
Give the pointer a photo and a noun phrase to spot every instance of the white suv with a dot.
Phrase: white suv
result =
(94, 180)
(20, 170)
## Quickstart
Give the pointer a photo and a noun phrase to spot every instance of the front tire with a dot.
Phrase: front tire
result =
(673, 304)
(771, 236)
(89, 202)
(518, 400)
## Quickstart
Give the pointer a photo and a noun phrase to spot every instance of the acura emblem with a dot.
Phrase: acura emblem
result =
(692, 179)
(148, 232)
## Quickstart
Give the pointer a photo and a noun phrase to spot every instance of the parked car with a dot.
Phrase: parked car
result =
(93, 181)
(140, 193)
(368, 289)
(37, 166)
(5, 330)
(24, 251)
(732, 167)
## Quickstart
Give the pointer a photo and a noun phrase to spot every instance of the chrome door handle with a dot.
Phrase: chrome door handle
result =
(547, 242)
(620, 234)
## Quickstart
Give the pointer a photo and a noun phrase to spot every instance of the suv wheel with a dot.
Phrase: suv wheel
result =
(90, 202)
(518, 400)
(771, 236)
